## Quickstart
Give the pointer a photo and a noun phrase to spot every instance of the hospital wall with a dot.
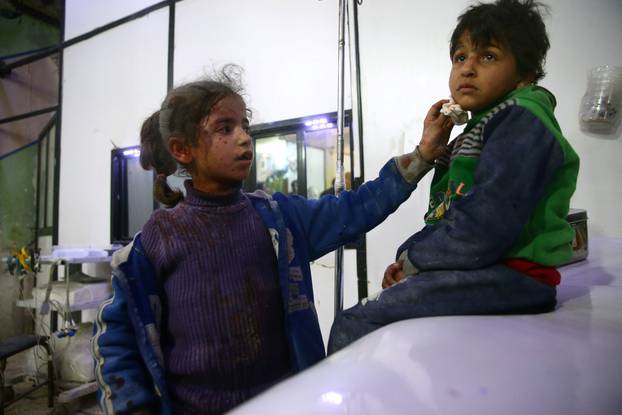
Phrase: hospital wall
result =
(114, 80)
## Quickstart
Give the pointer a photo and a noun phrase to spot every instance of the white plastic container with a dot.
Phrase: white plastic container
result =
(600, 106)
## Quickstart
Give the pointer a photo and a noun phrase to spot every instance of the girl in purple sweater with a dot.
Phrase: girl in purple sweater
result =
(213, 300)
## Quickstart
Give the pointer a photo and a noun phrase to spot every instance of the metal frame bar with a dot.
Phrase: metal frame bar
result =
(7, 68)
(29, 114)
(339, 174)
(361, 252)
(171, 44)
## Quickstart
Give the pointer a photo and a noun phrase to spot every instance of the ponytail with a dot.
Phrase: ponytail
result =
(155, 155)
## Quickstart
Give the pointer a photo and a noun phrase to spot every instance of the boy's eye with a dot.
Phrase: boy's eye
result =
(226, 129)
(489, 57)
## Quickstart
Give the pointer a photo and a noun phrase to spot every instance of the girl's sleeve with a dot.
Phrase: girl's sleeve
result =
(518, 161)
(331, 221)
(125, 385)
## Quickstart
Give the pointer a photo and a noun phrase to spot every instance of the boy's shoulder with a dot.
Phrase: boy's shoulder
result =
(541, 103)
(537, 100)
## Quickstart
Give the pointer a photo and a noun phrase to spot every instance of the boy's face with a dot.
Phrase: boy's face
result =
(483, 75)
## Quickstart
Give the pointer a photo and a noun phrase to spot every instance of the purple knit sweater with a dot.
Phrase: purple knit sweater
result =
(223, 334)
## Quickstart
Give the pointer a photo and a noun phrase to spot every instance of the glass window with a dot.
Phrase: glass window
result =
(42, 180)
(131, 194)
(321, 156)
(46, 171)
(51, 169)
(276, 166)
(139, 195)
(298, 156)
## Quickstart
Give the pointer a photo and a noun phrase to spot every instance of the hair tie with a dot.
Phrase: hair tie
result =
(161, 176)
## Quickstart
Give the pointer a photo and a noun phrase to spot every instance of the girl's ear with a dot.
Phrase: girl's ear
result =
(180, 150)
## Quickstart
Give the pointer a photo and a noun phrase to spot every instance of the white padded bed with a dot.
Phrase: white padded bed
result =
(565, 362)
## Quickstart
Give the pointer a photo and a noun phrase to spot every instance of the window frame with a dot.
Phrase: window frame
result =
(119, 200)
(46, 193)
(298, 127)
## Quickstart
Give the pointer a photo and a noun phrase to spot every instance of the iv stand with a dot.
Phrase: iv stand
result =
(339, 173)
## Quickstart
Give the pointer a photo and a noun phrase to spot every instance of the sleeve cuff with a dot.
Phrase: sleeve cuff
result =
(407, 266)
(412, 166)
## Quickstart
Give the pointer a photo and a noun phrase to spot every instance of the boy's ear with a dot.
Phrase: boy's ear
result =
(180, 150)
(526, 80)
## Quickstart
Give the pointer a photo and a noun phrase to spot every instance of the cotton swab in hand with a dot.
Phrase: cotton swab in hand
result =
(455, 112)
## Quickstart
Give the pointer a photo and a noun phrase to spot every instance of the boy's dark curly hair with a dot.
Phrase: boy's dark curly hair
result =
(514, 24)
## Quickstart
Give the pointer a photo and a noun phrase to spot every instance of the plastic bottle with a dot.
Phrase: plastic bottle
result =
(600, 106)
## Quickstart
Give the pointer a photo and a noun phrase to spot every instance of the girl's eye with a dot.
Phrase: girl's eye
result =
(489, 57)
(225, 130)
(459, 58)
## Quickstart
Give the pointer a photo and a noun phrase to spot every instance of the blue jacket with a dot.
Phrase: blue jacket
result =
(504, 194)
(129, 364)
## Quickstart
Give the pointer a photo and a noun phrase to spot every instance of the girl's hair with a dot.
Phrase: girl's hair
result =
(516, 25)
(180, 115)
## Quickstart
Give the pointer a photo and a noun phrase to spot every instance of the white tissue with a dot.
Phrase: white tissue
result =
(455, 112)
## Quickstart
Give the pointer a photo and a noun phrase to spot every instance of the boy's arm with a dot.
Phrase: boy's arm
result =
(517, 162)
(125, 386)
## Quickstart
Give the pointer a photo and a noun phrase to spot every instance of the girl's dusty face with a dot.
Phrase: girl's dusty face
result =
(481, 75)
(223, 154)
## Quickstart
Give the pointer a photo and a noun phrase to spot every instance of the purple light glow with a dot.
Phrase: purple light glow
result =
(134, 152)
(318, 124)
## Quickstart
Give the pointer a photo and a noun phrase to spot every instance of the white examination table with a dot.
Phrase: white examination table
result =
(565, 362)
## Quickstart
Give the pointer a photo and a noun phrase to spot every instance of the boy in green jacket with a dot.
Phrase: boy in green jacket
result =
(496, 227)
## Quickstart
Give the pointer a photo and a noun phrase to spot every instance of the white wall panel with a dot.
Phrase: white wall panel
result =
(405, 68)
(584, 35)
(287, 48)
(82, 16)
(111, 83)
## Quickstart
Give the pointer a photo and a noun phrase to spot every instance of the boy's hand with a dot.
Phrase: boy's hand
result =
(436, 130)
(393, 274)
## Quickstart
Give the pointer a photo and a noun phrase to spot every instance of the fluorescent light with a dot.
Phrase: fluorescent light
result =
(318, 124)
(134, 152)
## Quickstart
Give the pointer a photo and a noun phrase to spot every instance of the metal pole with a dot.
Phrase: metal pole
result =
(339, 174)
(356, 134)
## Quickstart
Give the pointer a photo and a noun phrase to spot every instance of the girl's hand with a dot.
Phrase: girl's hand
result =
(393, 274)
(436, 130)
